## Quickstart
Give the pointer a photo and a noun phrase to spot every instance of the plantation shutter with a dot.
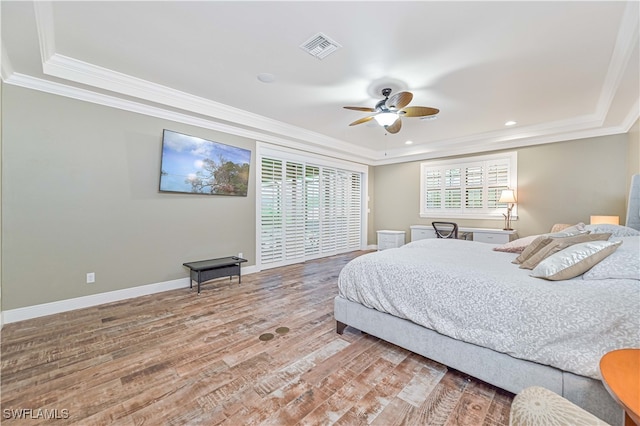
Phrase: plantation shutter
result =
(293, 202)
(307, 211)
(433, 193)
(342, 210)
(271, 218)
(312, 211)
(329, 222)
(497, 181)
(470, 188)
(474, 185)
(453, 189)
(354, 218)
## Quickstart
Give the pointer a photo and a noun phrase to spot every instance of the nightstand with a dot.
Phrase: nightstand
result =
(390, 239)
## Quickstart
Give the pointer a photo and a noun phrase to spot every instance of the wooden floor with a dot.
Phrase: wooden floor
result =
(180, 358)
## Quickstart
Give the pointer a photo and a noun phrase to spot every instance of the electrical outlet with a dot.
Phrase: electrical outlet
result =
(91, 277)
(240, 256)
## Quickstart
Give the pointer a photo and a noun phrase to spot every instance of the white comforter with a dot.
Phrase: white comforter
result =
(465, 290)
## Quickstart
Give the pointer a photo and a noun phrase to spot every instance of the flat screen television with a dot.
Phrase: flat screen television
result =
(198, 166)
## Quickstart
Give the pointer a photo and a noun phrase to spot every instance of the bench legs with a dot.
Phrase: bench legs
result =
(210, 274)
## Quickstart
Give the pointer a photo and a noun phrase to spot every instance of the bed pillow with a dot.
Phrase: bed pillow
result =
(623, 264)
(559, 244)
(543, 240)
(516, 246)
(616, 231)
(578, 227)
(559, 227)
(574, 260)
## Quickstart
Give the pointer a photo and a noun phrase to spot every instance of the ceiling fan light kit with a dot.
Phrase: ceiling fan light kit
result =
(386, 118)
(389, 111)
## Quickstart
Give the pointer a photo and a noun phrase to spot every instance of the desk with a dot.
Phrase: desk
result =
(620, 372)
(484, 235)
(205, 270)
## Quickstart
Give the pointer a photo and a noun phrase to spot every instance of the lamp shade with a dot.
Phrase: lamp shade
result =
(386, 118)
(613, 220)
(507, 196)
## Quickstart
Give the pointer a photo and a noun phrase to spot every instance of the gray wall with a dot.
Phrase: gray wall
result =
(80, 194)
(563, 182)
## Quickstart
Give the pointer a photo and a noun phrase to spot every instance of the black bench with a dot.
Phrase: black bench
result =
(205, 270)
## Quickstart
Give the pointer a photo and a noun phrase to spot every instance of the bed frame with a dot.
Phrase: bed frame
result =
(495, 368)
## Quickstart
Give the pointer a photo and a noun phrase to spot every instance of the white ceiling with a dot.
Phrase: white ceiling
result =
(562, 70)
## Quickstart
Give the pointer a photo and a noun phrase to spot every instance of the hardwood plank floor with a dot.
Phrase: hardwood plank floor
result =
(177, 358)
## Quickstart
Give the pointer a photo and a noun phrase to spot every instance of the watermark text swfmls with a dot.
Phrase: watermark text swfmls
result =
(35, 413)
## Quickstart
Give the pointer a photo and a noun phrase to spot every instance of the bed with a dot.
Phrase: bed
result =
(467, 306)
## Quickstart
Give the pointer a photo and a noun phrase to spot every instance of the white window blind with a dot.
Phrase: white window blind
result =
(307, 211)
(467, 187)
(272, 219)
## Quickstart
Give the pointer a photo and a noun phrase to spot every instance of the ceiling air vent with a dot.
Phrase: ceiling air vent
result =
(320, 46)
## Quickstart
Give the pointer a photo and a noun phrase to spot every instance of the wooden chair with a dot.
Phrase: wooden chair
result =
(445, 229)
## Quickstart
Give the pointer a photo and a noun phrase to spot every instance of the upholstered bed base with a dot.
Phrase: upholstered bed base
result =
(496, 368)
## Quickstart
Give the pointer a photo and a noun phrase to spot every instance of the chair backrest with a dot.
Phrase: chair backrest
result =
(445, 229)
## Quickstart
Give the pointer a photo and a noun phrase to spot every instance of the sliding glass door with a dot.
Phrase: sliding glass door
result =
(307, 210)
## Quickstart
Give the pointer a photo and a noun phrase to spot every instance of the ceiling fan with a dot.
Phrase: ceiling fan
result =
(389, 111)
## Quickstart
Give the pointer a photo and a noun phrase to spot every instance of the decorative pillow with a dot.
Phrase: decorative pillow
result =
(543, 240)
(624, 263)
(574, 260)
(578, 227)
(516, 246)
(559, 244)
(615, 230)
(559, 227)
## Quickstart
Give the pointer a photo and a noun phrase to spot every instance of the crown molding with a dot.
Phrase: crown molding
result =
(490, 141)
(92, 75)
(43, 11)
(489, 146)
(632, 116)
(5, 64)
(60, 89)
(627, 39)
(262, 128)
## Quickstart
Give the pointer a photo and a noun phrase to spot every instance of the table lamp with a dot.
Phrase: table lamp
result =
(508, 196)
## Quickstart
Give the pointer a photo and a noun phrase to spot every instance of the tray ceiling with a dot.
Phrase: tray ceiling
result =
(561, 70)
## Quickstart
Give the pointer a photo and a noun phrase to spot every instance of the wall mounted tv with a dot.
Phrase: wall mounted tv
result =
(198, 166)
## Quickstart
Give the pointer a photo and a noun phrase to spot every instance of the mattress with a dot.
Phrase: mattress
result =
(467, 291)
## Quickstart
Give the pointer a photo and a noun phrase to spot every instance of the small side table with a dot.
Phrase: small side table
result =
(620, 370)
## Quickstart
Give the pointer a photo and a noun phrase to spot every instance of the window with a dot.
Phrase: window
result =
(468, 187)
(306, 209)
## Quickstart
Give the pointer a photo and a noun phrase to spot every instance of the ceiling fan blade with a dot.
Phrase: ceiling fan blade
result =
(419, 111)
(395, 127)
(399, 100)
(362, 120)
(366, 109)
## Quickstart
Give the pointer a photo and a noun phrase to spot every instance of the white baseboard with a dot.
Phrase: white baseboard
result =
(29, 312)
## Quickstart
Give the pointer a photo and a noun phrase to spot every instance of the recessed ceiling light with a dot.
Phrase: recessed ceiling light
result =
(265, 77)
(408, 142)
(510, 123)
